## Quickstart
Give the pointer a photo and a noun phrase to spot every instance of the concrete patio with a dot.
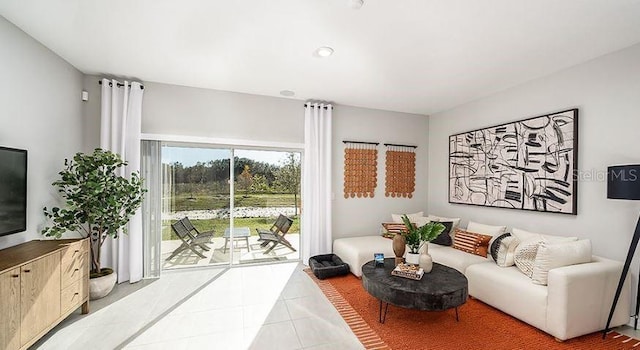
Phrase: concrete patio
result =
(219, 255)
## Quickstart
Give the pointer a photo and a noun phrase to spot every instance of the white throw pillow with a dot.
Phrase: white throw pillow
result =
(485, 229)
(421, 221)
(559, 254)
(412, 217)
(455, 221)
(523, 235)
(506, 251)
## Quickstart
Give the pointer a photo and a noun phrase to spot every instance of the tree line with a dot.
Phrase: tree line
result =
(250, 176)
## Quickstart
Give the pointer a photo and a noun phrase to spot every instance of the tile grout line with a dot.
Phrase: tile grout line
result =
(168, 311)
(367, 336)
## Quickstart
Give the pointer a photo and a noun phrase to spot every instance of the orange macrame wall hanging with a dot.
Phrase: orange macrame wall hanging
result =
(401, 171)
(360, 169)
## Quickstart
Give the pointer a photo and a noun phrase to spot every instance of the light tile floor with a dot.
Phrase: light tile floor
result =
(255, 307)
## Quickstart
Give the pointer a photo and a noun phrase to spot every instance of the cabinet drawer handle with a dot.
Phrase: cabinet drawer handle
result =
(76, 294)
(15, 276)
(27, 271)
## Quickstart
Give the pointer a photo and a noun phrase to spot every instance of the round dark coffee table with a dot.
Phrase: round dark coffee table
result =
(441, 289)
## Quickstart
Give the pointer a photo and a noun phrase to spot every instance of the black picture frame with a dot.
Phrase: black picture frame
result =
(561, 197)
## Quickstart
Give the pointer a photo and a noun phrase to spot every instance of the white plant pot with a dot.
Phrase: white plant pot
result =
(100, 287)
(411, 258)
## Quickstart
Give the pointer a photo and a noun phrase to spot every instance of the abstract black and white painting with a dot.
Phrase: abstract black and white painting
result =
(529, 164)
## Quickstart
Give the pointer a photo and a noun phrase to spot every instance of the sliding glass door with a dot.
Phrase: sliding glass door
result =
(196, 190)
(267, 185)
(219, 206)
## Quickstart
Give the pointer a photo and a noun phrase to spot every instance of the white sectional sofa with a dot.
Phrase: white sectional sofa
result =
(575, 302)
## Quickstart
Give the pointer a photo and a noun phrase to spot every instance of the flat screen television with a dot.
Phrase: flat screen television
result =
(13, 190)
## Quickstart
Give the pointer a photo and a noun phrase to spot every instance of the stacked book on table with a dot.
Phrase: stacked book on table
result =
(410, 271)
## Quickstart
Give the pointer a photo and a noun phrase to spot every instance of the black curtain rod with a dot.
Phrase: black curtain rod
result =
(309, 104)
(393, 144)
(362, 142)
(119, 84)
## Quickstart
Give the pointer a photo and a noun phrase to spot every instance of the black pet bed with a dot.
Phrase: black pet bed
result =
(328, 265)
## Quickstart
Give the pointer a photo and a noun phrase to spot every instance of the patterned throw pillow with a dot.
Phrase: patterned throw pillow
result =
(496, 244)
(444, 238)
(470, 242)
(525, 255)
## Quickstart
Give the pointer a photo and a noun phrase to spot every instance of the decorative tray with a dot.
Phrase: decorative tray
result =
(410, 271)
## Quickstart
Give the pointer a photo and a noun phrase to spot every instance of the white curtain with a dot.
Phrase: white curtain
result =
(120, 129)
(316, 192)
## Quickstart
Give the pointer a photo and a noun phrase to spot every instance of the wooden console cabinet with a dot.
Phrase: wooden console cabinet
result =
(41, 283)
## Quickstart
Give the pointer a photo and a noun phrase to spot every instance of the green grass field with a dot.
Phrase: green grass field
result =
(184, 201)
(219, 225)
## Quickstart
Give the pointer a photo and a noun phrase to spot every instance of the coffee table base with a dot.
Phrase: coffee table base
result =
(382, 317)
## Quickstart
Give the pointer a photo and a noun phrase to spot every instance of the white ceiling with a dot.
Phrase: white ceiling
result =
(419, 56)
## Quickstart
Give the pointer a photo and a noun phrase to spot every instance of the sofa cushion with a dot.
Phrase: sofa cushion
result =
(454, 258)
(523, 235)
(506, 251)
(444, 238)
(554, 255)
(471, 242)
(485, 229)
(509, 290)
(357, 251)
(412, 217)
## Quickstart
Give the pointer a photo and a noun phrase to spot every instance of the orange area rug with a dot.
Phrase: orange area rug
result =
(480, 327)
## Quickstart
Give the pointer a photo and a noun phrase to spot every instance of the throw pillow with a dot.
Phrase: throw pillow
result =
(412, 217)
(471, 242)
(444, 238)
(523, 235)
(485, 229)
(456, 221)
(421, 221)
(496, 244)
(394, 227)
(506, 251)
(525, 255)
(554, 255)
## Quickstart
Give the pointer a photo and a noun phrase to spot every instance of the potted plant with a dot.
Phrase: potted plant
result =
(99, 203)
(417, 238)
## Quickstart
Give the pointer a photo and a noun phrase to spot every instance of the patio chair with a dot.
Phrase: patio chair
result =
(191, 238)
(275, 235)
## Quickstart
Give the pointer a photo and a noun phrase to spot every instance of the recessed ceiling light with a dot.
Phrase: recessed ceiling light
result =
(287, 93)
(324, 51)
(355, 4)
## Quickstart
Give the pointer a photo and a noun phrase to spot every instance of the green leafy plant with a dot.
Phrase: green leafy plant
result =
(99, 200)
(417, 236)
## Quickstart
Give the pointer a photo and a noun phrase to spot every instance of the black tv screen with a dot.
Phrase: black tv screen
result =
(13, 190)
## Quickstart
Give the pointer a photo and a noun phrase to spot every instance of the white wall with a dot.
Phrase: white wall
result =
(607, 92)
(187, 111)
(178, 110)
(363, 216)
(40, 111)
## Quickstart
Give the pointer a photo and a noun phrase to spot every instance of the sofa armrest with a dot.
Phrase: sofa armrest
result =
(580, 297)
